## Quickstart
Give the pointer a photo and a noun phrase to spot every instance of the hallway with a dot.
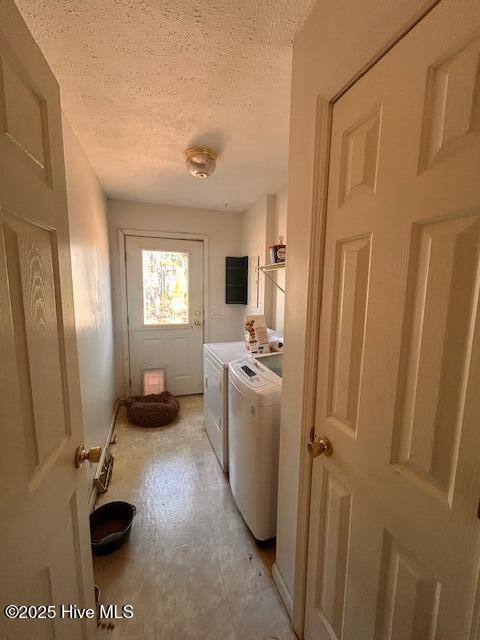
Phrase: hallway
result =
(191, 569)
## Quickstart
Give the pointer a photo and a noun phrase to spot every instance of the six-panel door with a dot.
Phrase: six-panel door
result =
(394, 535)
(45, 553)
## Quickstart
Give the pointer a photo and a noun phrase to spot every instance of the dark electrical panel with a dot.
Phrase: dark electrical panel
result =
(236, 279)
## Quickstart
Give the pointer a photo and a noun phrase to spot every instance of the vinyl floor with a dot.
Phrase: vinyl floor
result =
(191, 570)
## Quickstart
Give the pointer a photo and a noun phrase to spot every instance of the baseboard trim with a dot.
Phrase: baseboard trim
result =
(93, 491)
(93, 498)
(282, 590)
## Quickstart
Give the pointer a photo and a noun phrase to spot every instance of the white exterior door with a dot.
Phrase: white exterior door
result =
(45, 556)
(394, 533)
(165, 311)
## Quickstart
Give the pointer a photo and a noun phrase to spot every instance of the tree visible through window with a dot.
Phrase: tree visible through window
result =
(165, 287)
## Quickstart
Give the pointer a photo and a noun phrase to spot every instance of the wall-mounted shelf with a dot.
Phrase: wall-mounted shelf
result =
(265, 268)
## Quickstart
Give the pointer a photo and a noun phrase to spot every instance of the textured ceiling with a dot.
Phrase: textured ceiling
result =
(143, 79)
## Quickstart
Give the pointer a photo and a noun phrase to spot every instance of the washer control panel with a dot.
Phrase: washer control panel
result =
(252, 372)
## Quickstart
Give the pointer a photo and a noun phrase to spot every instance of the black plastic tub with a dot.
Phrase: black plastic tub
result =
(110, 526)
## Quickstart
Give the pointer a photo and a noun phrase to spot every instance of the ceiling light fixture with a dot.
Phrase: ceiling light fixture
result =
(200, 162)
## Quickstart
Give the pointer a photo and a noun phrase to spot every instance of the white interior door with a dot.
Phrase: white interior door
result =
(45, 554)
(394, 534)
(165, 311)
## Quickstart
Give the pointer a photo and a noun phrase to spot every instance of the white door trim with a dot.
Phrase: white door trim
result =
(321, 168)
(146, 233)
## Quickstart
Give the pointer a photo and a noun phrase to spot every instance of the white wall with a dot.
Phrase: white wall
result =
(256, 222)
(280, 233)
(339, 39)
(224, 233)
(261, 226)
(91, 289)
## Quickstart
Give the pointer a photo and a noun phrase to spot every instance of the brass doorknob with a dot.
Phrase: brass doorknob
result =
(197, 323)
(92, 455)
(319, 447)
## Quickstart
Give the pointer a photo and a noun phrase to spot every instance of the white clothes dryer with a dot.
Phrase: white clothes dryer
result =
(216, 357)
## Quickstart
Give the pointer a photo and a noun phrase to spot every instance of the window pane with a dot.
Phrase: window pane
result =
(165, 287)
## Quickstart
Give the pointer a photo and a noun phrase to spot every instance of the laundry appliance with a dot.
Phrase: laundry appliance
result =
(255, 393)
(216, 357)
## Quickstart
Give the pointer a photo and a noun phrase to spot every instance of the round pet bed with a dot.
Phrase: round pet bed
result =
(154, 410)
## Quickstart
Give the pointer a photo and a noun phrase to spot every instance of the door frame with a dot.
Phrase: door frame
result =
(122, 235)
(321, 169)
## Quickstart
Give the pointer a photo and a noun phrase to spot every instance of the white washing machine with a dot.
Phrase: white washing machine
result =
(255, 393)
(216, 357)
